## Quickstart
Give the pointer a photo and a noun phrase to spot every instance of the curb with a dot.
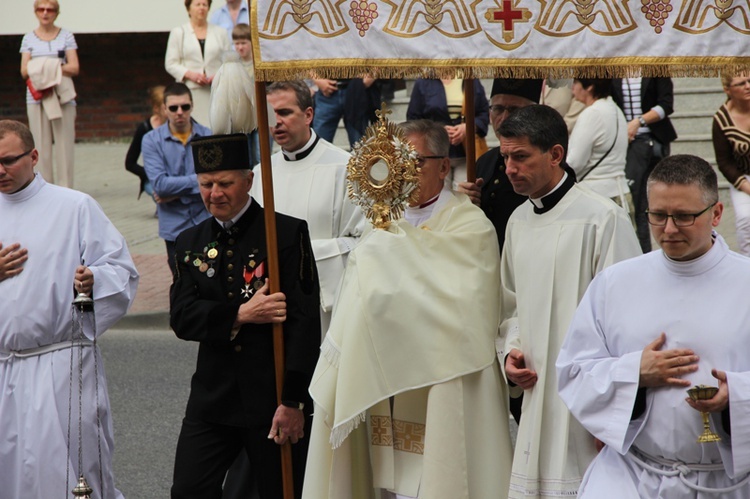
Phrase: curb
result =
(146, 320)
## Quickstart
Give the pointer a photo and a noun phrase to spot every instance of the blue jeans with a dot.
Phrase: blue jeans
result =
(328, 112)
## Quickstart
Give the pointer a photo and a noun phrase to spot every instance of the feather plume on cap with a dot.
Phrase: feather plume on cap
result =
(232, 108)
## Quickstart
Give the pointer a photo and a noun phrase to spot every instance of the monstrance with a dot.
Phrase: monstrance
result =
(382, 173)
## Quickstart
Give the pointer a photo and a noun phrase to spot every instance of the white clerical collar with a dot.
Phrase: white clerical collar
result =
(538, 201)
(417, 215)
(303, 151)
(703, 263)
(27, 192)
(228, 224)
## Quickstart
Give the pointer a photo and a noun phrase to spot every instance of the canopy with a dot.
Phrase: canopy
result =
(492, 38)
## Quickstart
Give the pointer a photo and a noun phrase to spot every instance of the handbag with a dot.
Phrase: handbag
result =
(36, 94)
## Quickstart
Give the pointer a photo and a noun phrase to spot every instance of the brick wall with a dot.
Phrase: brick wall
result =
(116, 70)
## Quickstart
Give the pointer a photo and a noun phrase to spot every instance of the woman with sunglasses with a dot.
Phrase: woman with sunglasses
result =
(731, 138)
(50, 104)
(194, 53)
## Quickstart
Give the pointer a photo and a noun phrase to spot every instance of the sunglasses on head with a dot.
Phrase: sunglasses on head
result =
(185, 107)
(42, 10)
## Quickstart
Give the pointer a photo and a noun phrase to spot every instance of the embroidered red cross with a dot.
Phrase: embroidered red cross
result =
(507, 15)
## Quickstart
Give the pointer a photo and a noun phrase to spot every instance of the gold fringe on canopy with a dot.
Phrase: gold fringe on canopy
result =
(585, 68)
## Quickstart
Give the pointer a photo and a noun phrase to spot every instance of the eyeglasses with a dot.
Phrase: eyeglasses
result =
(50, 10)
(740, 84)
(185, 107)
(498, 109)
(12, 160)
(679, 220)
(421, 159)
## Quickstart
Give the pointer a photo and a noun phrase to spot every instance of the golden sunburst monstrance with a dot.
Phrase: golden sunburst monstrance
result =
(382, 173)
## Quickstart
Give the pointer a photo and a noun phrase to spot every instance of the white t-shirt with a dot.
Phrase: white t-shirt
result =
(41, 48)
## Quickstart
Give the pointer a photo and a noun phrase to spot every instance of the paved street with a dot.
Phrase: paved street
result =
(148, 368)
(148, 373)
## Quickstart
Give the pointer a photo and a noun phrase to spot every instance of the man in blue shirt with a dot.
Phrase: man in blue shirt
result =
(230, 15)
(168, 160)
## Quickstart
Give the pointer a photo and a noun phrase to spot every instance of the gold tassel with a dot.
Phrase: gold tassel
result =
(617, 67)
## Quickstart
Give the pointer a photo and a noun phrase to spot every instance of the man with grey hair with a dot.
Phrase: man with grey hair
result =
(409, 348)
(624, 375)
(309, 177)
(220, 298)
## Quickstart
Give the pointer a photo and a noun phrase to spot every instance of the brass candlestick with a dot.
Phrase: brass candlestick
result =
(704, 392)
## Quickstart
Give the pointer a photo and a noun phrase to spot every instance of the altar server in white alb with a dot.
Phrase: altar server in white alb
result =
(309, 183)
(52, 230)
(554, 245)
(407, 390)
(652, 327)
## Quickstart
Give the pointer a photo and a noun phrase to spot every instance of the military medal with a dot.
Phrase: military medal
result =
(258, 274)
(203, 267)
(212, 253)
(197, 262)
(210, 272)
(247, 290)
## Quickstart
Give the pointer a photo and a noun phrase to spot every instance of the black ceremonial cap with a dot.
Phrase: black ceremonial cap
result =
(221, 152)
(528, 88)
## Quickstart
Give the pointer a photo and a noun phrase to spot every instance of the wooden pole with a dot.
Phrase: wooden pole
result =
(269, 214)
(469, 144)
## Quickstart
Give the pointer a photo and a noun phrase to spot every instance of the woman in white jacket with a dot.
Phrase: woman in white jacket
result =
(599, 142)
(194, 53)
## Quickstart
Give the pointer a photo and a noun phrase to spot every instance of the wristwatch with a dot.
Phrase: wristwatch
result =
(293, 405)
(642, 121)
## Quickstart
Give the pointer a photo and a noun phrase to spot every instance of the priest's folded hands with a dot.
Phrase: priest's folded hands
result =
(666, 367)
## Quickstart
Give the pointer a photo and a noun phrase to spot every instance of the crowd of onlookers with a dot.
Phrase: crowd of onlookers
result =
(619, 128)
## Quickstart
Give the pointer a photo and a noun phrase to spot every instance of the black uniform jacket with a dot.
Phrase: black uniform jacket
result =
(217, 270)
(498, 200)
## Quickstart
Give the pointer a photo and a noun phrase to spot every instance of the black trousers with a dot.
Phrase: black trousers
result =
(643, 155)
(205, 451)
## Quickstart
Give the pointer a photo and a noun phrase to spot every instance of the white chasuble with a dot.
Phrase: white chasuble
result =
(699, 305)
(415, 321)
(60, 228)
(548, 262)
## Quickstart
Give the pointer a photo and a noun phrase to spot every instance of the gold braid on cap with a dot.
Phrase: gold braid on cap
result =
(382, 173)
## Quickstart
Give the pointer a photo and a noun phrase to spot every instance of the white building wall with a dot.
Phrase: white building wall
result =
(99, 16)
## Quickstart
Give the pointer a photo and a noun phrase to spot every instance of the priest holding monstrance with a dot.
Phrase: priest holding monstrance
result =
(407, 390)
(625, 375)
